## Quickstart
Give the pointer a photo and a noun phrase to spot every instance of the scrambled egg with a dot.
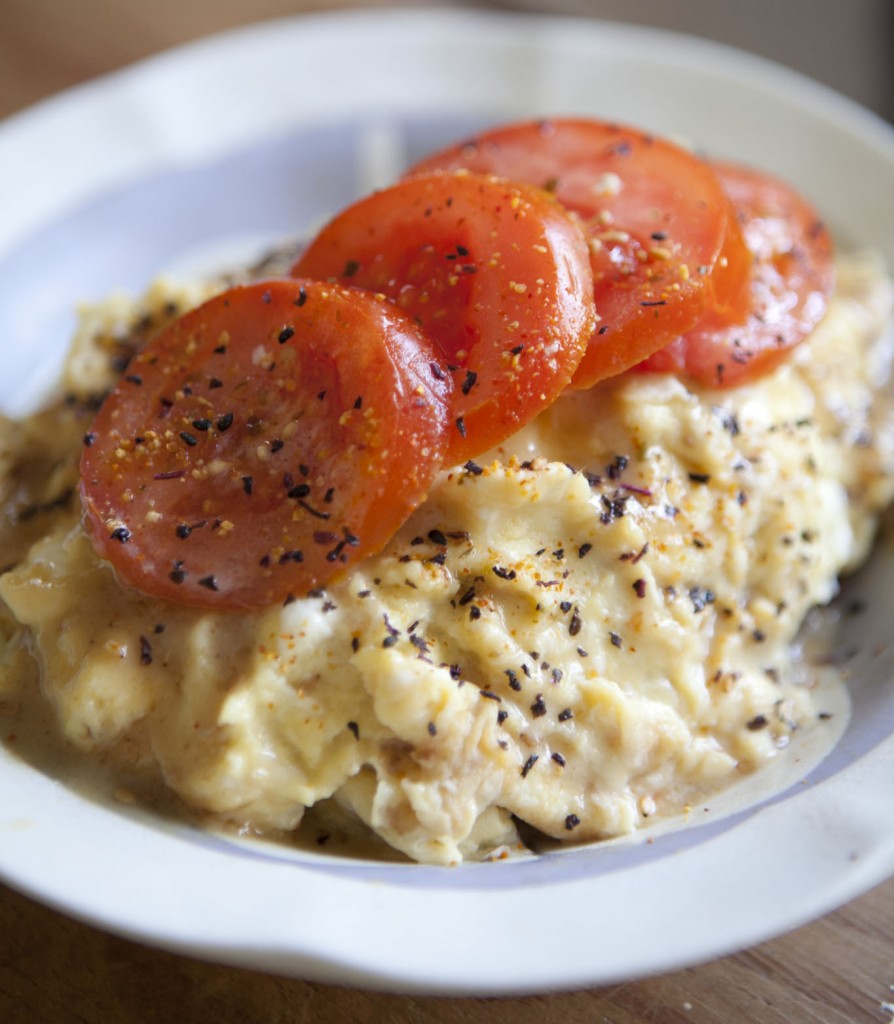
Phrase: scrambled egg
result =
(589, 627)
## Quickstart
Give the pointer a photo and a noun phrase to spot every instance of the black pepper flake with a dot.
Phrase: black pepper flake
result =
(639, 587)
(355, 729)
(502, 715)
(89, 439)
(469, 382)
(225, 422)
(701, 597)
(159, 627)
(177, 574)
(571, 822)
(468, 596)
(473, 468)
(247, 483)
(202, 424)
(575, 623)
(490, 695)
(504, 574)
(700, 478)
(432, 729)
(314, 511)
(300, 491)
(121, 534)
(436, 537)
(208, 582)
(214, 383)
(188, 439)
(529, 764)
(351, 268)
(614, 508)
(461, 426)
(437, 372)
(285, 334)
(560, 761)
(566, 715)
(302, 296)
(584, 550)
(615, 639)
(617, 466)
(538, 708)
(756, 723)
(145, 651)
(183, 530)
(474, 612)
(514, 684)
(134, 378)
(390, 640)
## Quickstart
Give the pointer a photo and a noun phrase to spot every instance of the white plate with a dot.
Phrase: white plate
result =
(245, 138)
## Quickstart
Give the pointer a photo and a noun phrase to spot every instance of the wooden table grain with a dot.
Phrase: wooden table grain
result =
(838, 970)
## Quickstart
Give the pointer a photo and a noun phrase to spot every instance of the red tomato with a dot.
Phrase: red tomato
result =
(496, 273)
(664, 244)
(792, 275)
(262, 443)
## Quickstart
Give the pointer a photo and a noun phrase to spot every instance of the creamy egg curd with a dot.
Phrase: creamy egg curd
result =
(592, 626)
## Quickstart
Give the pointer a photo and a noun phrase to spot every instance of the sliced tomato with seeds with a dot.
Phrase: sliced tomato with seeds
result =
(497, 273)
(792, 275)
(664, 243)
(262, 443)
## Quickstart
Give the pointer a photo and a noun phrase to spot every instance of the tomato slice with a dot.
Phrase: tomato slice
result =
(792, 275)
(262, 443)
(497, 273)
(664, 243)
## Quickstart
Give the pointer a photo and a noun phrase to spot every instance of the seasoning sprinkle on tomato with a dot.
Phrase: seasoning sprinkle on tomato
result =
(497, 273)
(368, 462)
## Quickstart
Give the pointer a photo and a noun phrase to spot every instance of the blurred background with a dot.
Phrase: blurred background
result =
(47, 45)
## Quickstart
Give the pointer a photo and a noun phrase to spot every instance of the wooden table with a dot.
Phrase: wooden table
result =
(839, 970)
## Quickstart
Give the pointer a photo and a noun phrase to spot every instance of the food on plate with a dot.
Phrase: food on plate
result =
(791, 274)
(443, 581)
(497, 274)
(276, 418)
(665, 244)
